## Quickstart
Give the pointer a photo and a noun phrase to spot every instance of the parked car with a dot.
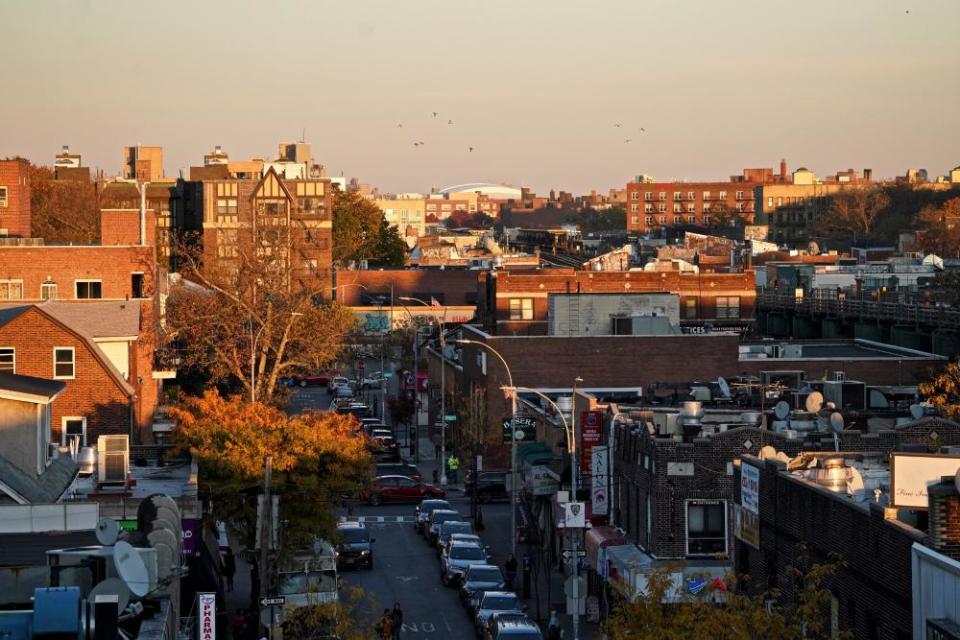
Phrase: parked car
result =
(492, 602)
(460, 556)
(438, 517)
(348, 406)
(491, 485)
(424, 509)
(508, 625)
(472, 538)
(478, 579)
(355, 546)
(384, 449)
(449, 528)
(373, 380)
(398, 469)
(316, 379)
(337, 381)
(401, 489)
(342, 392)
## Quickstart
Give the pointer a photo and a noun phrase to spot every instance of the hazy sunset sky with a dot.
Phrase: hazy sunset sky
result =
(535, 86)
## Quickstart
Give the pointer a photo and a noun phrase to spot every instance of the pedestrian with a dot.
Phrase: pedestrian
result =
(397, 620)
(384, 626)
(510, 569)
(229, 568)
(453, 465)
(554, 632)
(478, 521)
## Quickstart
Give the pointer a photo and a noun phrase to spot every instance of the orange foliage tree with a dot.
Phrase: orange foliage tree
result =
(318, 458)
(63, 210)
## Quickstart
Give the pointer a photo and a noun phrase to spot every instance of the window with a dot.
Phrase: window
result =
(779, 200)
(648, 195)
(661, 207)
(707, 220)
(521, 308)
(770, 201)
(89, 289)
(8, 360)
(691, 207)
(635, 219)
(691, 219)
(706, 207)
(11, 289)
(73, 427)
(649, 220)
(662, 195)
(728, 306)
(706, 195)
(227, 206)
(739, 206)
(677, 219)
(662, 219)
(48, 290)
(677, 195)
(677, 207)
(706, 527)
(634, 207)
(136, 285)
(739, 195)
(63, 363)
(691, 195)
(723, 195)
(689, 308)
(3, 196)
(648, 208)
(634, 195)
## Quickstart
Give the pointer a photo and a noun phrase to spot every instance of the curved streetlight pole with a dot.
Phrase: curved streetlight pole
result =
(513, 443)
(443, 392)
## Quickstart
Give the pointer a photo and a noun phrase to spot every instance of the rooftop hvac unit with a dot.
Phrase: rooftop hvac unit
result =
(113, 459)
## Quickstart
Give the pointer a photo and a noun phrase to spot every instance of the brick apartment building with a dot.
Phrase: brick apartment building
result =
(517, 302)
(15, 198)
(652, 205)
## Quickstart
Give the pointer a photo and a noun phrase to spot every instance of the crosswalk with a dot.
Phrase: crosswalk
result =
(379, 519)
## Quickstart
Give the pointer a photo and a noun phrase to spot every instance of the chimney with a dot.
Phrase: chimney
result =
(783, 169)
(867, 175)
(944, 517)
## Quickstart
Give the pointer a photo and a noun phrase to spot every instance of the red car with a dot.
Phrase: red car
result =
(322, 378)
(402, 489)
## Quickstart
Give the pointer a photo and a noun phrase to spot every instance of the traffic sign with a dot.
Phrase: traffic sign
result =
(569, 554)
(273, 601)
(450, 418)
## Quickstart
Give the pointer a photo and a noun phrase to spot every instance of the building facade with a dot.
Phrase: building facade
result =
(406, 213)
(15, 198)
(672, 204)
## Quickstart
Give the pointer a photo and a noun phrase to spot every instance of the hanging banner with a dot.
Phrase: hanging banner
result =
(591, 423)
(750, 488)
(599, 470)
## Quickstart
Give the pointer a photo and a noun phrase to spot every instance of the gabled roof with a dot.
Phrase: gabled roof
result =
(48, 488)
(30, 389)
(269, 176)
(107, 319)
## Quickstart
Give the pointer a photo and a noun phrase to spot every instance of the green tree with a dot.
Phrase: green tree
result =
(360, 232)
(943, 391)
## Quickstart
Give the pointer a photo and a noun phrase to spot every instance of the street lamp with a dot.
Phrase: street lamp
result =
(513, 444)
(570, 430)
(443, 392)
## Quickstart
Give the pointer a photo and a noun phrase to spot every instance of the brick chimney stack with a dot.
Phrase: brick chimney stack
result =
(944, 517)
(783, 169)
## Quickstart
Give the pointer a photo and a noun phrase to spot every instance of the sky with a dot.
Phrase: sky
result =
(536, 87)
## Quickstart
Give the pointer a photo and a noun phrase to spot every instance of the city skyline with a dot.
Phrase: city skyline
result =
(752, 88)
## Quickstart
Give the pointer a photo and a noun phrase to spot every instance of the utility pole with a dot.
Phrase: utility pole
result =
(574, 481)
(415, 446)
(266, 528)
(443, 409)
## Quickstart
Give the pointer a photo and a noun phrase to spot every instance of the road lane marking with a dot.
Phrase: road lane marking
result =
(384, 519)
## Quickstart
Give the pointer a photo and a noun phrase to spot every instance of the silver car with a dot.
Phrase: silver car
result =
(424, 509)
(492, 602)
(460, 555)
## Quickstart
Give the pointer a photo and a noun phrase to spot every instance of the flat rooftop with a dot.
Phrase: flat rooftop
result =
(857, 349)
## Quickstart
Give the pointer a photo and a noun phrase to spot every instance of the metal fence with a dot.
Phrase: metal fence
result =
(898, 309)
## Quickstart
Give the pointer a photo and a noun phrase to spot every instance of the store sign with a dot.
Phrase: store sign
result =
(599, 470)
(207, 616)
(526, 429)
(541, 481)
(747, 526)
(190, 536)
(591, 423)
(912, 473)
(750, 488)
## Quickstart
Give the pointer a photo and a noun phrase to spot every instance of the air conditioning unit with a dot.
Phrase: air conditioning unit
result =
(839, 376)
(113, 458)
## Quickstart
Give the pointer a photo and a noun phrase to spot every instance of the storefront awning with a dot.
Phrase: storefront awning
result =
(628, 568)
(599, 537)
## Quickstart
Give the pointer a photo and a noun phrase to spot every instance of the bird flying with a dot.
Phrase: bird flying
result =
(617, 125)
(449, 121)
(435, 114)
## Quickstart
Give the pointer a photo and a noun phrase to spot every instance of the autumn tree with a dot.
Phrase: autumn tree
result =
(722, 614)
(939, 229)
(63, 211)
(468, 220)
(853, 212)
(350, 618)
(943, 391)
(361, 232)
(318, 458)
(249, 319)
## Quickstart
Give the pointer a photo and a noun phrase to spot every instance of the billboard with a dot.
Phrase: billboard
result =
(911, 473)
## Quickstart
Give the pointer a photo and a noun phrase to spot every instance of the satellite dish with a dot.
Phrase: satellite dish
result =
(112, 587)
(724, 387)
(131, 568)
(163, 500)
(168, 520)
(166, 537)
(836, 421)
(781, 410)
(814, 402)
(916, 410)
(107, 531)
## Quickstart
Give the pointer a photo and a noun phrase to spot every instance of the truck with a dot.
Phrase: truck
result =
(310, 577)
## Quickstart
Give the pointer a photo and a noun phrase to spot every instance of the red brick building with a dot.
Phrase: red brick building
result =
(97, 399)
(667, 204)
(15, 198)
(516, 302)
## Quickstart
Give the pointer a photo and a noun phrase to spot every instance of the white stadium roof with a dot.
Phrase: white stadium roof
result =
(496, 191)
